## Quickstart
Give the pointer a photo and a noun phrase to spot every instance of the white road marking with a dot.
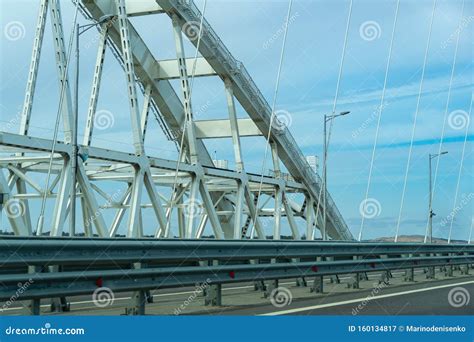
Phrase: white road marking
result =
(368, 298)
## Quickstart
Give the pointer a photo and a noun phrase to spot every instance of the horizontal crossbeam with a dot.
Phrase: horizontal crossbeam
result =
(168, 69)
(211, 129)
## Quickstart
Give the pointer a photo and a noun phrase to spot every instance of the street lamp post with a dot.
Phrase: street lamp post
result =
(430, 200)
(327, 118)
(84, 28)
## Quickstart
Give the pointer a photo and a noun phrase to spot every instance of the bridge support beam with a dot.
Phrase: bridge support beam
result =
(430, 273)
(35, 304)
(318, 285)
(212, 292)
(333, 278)
(354, 282)
(465, 269)
(409, 272)
(448, 271)
(270, 288)
(410, 275)
(138, 300)
(60, 305)
(213, 295)
(385, 278)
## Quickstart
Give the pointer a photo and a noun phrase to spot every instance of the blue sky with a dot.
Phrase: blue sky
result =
(252, 32)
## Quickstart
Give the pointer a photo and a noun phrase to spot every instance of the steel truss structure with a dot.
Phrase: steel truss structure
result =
(204, 195)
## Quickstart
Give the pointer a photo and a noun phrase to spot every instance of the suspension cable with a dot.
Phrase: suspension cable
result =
(453, 67)
(453, 213)
(181, 145)
(272, 116)
(336, 96)
(39, 226)
(380, 110)
(415, 120)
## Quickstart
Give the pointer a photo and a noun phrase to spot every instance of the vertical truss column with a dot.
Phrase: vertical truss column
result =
(145, 111)
(130, 75)
(189, 122)
(135, 200)
(29, 94)
(34, 64)
(91, 201)
(181, 219)
(309, 218)
(121, 212)
(275, 159)
(254, 214)
(234, 126)
(211, 211)
(99, 66)
(86, 218)
(60, 208)
(61, 63)
(277, 212)
(291, 219)
(137, 185)
(191, 214)
(154, 199)
(239, 204)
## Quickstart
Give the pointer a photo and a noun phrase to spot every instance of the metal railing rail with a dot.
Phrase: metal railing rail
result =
(54, 284)
(26, 251)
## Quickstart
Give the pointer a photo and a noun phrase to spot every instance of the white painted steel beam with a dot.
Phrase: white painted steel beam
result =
(213, 129)
(169, 69)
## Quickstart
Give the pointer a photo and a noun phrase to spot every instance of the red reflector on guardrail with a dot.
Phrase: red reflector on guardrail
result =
(99, 282)
(232, 274)
(314, 268)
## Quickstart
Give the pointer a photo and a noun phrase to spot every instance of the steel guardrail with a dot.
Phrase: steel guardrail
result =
(27, 251)
(47, 285)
